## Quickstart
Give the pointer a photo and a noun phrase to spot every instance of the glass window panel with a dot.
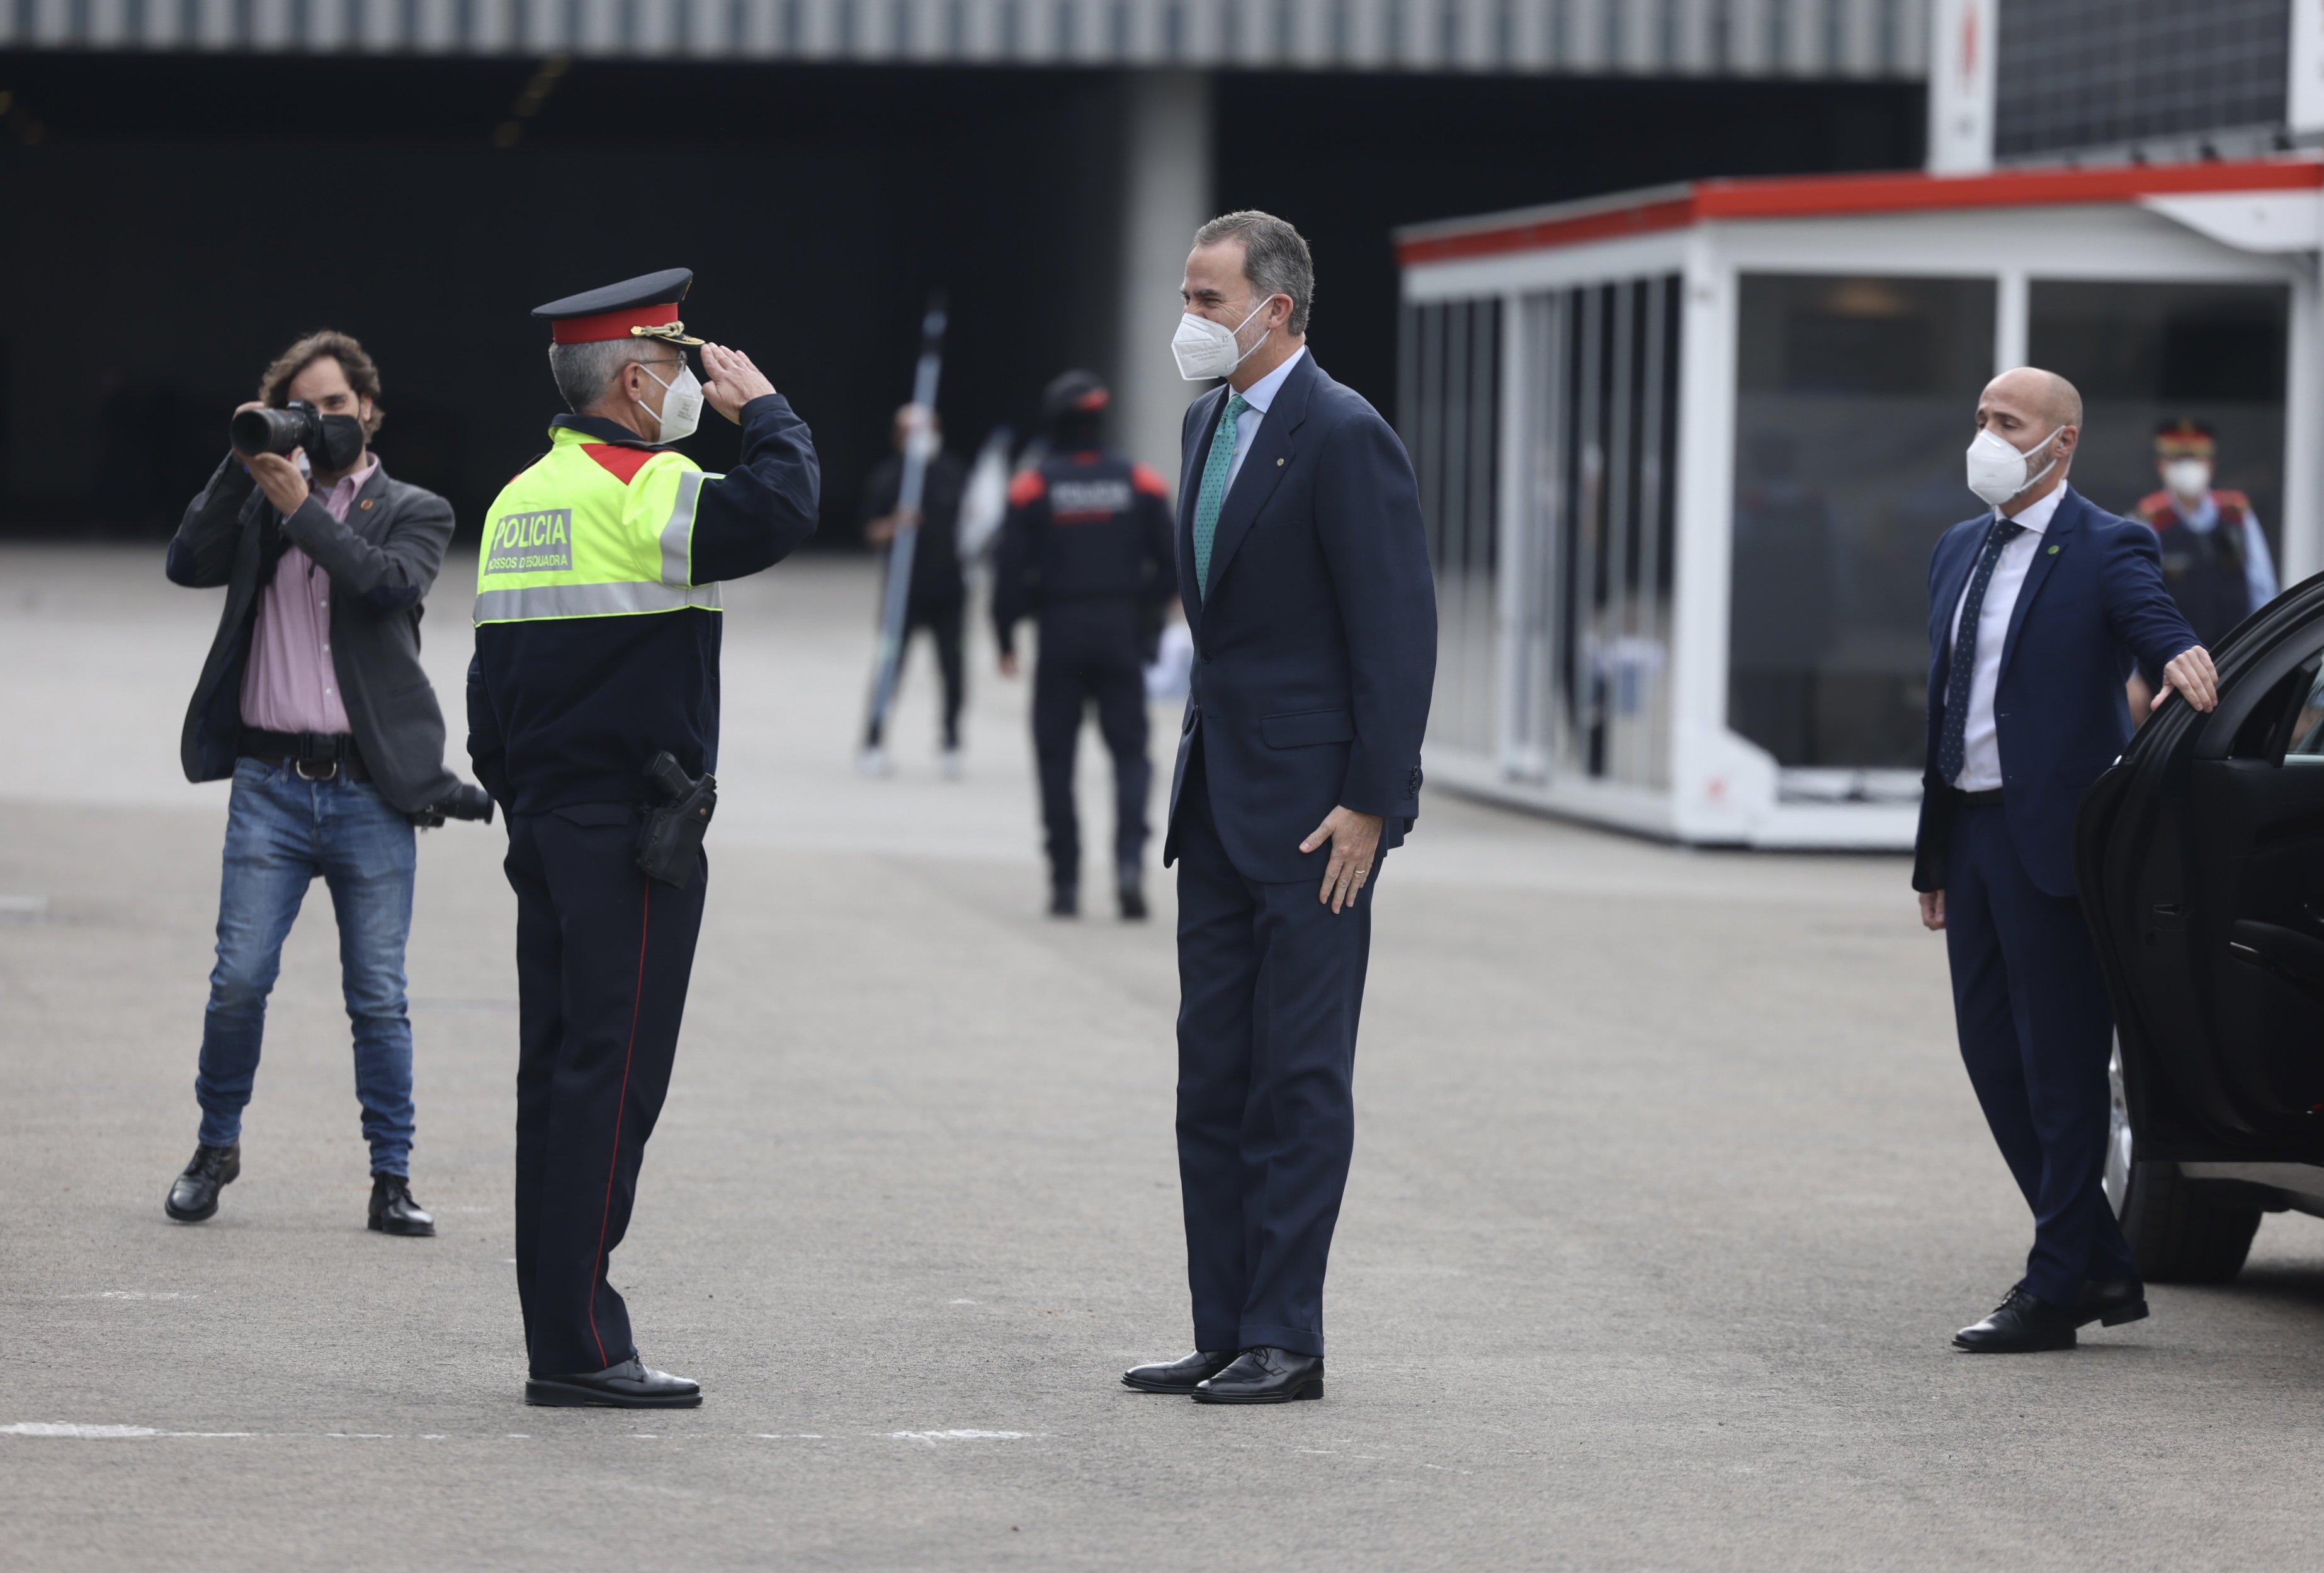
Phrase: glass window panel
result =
(2147, 354)
(1855, 398)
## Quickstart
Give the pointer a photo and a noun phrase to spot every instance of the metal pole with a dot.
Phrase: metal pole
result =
(919, 447)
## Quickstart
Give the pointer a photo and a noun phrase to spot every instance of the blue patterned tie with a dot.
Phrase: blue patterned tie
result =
(1213, 494)
(1952, 749)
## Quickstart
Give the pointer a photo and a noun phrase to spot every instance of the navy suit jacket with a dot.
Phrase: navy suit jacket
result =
(2093, 600)
(1315, 645)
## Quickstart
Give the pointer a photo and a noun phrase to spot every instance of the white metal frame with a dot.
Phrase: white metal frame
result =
(1724, 789)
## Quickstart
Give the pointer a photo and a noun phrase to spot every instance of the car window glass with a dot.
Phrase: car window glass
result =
(2307, 744)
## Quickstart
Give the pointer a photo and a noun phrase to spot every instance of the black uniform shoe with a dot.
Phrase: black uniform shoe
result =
(394, 1211)
(194, 1195)
(2111, 1302)
(2024, 1324)
(631, 1385)
(1064, 901)
(1179, 1375)
(1130, 892)
(1265, 1376)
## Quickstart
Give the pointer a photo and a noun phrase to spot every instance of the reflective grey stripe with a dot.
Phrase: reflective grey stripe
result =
(678, 535)
(533, 603)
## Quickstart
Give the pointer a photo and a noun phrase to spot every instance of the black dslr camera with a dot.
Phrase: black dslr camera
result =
(466, 802)
(669, 839)
(297, 424)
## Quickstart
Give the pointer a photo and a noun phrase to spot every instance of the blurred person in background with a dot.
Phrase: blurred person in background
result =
(314, 702)
(1085, 548)
(2036, 610)
(937, 599)
(2215, 562)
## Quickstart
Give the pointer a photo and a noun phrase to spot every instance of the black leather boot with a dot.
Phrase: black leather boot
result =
(193, 1196)
(394, 1209)
(1129, 891)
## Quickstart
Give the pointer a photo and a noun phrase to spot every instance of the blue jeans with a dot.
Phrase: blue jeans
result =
(280, 832)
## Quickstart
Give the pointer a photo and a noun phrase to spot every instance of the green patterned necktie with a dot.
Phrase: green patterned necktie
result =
(1213, 494)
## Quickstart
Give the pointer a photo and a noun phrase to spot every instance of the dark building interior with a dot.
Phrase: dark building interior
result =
(173, 220)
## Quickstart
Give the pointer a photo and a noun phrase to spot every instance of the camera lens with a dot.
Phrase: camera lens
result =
(255, 431)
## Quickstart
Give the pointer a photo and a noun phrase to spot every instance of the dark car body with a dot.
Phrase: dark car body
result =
(2199, 860)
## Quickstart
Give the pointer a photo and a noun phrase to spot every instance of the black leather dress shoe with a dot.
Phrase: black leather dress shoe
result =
(1179, 1375)
(1130, 892)
(1064, 901)
(194, 1195)
(2111, 1302)
(631, 1385)
(2024, 1324)
(392, 1209)
(1265, 1375)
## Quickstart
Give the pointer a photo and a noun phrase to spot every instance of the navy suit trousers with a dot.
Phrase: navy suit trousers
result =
(2036, 1031)
(1270, 983)
(603, 958)
(1088, 653)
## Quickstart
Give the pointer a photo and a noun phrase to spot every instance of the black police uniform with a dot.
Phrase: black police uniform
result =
(1086, 546)
(564, 715)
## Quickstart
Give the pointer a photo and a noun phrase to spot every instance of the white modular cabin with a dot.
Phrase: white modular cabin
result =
(1683, 453)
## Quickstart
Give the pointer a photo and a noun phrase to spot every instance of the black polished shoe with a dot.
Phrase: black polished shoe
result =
(394, 1211)
(2111, 1302)
(2024, 1324)
(194, 1195)
(1179, 1376)
(1129, 891)
(631, 1385)
(1265, 1375)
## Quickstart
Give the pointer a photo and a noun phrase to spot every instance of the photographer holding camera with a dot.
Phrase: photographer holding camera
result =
(314, 702)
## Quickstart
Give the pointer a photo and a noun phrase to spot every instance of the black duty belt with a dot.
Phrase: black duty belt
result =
(1984, 799)
(314, 755)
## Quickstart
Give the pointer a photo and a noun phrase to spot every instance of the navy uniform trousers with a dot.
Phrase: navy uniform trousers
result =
(602, 957)
(2036, 1031)
(1090, 651)
(1270, 984)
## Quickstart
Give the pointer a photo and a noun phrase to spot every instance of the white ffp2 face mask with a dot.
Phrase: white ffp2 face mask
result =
(681, 404)
(1998, 470)
(1207, 349)
(2188, 477)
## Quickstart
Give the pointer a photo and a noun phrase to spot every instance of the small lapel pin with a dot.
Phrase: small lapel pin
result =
(367, 503)
(2053, 551)
(1278, 464)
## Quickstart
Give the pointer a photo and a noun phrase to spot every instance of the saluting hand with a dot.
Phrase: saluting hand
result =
(2197, 680)
(733, 381)
(1355, 843)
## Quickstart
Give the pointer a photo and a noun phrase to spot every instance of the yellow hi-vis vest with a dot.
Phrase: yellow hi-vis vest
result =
(570, 538)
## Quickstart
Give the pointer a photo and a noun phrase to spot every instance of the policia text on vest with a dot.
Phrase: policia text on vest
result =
(598, 634)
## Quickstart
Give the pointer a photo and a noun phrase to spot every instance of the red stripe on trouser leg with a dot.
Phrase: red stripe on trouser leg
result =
(613, 1163)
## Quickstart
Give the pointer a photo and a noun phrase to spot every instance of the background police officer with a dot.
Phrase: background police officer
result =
(1086, 546)
(597, 631)
(2215, 562)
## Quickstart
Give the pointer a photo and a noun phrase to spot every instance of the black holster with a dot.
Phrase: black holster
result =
(670, 838)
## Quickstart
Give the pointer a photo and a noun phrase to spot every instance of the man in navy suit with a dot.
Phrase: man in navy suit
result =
(2036, 611)
(1303, 571)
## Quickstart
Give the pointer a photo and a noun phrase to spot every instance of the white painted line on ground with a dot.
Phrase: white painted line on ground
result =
(933, 1437)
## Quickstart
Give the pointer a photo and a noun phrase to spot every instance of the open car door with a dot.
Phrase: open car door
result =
(2199, 858)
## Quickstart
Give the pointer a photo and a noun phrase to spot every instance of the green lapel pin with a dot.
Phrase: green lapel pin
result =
(2053, 551)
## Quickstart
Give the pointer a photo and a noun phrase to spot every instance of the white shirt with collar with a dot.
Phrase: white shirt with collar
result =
(1257, 398)
(1981, 739)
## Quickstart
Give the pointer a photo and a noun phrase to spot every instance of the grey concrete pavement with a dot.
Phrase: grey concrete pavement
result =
(1668, 1192)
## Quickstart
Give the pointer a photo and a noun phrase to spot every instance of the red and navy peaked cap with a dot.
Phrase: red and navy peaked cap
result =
(639, 308)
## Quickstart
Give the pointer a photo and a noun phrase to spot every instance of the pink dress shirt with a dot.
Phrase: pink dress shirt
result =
(289, 684)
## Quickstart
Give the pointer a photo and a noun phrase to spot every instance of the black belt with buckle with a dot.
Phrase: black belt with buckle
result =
(1984, 799)
(314, 755)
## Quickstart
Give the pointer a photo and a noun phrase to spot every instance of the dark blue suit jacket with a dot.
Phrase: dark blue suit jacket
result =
(1315, 647)
(2093, 600)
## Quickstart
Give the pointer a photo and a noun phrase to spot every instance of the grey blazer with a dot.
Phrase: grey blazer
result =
(381, 562)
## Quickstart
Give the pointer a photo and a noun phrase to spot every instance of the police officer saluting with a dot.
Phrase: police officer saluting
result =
(1086, 545)
(598, 630)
